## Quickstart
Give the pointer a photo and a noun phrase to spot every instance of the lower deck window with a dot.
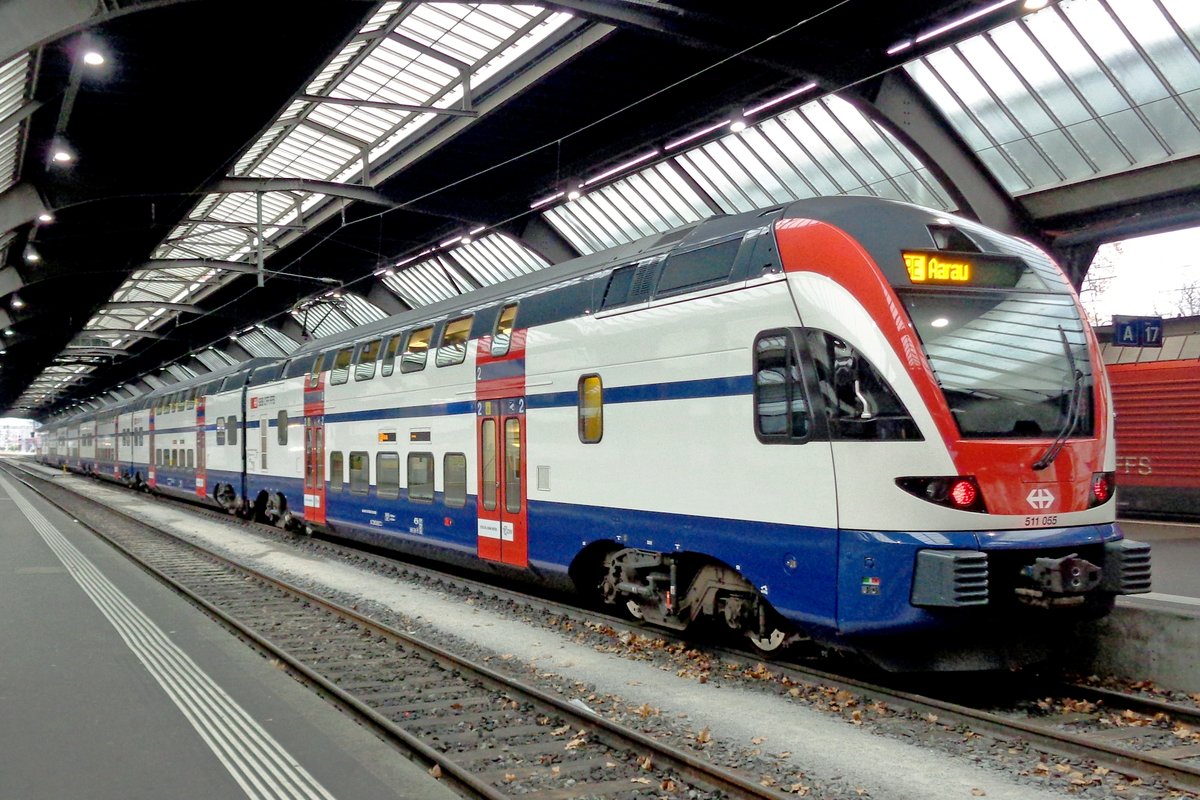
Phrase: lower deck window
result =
(387, 475)
(336, 476)
(360, 473)
(420, 477)
(456, 480)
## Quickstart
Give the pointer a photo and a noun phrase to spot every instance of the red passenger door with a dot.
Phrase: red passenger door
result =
(314, 449)
(152, 461)
(201, 433)
(502, 513)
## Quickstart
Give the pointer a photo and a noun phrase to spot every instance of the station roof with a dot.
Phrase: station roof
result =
(235, 179)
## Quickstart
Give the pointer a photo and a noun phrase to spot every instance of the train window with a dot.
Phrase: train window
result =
(487, 458)
(220, 431)
(175, 457)
(231, 430)
(389, 356)
(387, 475)
(504, 327)
(617, 290)
(281, 426)
(780, 409)
(690, 270)
(858, 400)
(336, 478)
(512, 465)
(340, 372)
(591, 409)
(456, 480)
(360, 472)
(364, 367)
(454, 342)
(191, 458)
(420, 477)
(416, 349)
(314, 374)
(191, 400)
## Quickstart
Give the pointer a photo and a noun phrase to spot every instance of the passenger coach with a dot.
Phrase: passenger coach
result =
(848, 419)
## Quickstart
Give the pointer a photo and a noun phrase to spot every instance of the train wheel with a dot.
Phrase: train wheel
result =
(276, 510)
(769, 643)
(225, 497)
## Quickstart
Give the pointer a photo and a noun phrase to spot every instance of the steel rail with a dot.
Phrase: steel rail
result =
(611, 733)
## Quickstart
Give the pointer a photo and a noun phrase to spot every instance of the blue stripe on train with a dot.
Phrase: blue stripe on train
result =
(824, 589)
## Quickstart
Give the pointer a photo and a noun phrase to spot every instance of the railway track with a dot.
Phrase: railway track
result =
(1145, 738)
(488, 734)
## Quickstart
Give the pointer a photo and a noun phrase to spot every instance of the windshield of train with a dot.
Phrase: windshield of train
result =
(1011, 363)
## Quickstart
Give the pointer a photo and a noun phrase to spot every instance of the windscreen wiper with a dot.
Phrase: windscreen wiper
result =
(1074, 409)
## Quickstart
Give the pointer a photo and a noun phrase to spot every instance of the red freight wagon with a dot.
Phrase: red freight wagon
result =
(1158, 436)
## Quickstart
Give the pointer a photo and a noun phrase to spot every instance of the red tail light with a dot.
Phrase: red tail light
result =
(963, 494)
(1103, 484)
(960, 492)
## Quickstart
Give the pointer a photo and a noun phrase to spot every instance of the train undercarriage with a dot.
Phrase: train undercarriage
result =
(677, 590)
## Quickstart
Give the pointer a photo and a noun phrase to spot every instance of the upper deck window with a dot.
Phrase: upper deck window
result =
(314, 374)
(700, 267)
(341, 366)
(389, 355)
(416, 350)
(502, 339)
(454, 342)
(364, 368)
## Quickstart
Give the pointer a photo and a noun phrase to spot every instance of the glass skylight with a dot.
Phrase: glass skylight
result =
(825, 147)
(1080, 89)
(336, 314)
(15, 77)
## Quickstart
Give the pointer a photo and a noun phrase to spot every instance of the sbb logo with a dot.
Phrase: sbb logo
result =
(1040, 498)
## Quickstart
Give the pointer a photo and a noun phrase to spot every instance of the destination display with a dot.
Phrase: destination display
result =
(946, 268)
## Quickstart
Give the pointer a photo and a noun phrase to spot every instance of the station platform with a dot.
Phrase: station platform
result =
(112, 686)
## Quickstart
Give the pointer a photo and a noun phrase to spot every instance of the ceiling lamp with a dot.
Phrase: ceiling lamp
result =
(93, 58)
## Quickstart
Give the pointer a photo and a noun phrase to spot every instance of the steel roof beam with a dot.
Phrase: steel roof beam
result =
(19, 115)
(541, 237)
(107, 332)
(24, 24)
(387, 300)
(19, 206)
(155, 305)
(347, 101)
(332, 188)
(903, 109)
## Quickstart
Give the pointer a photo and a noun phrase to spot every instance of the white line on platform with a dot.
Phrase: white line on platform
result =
(1167, 598)
(1160, 523)
(259, 764)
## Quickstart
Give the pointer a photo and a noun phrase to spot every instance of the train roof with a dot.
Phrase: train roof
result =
(880, 225)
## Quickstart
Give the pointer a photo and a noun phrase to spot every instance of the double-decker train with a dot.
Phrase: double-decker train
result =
(847, 420)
